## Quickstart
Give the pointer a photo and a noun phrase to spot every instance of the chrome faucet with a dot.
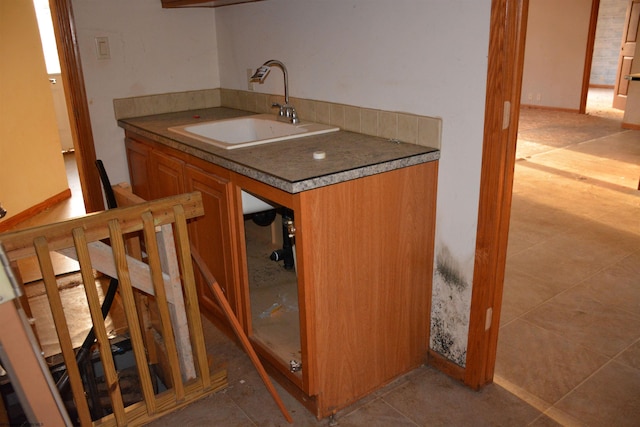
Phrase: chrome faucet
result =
(287, 111)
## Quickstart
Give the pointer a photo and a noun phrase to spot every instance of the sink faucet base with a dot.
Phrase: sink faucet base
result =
(287, 111)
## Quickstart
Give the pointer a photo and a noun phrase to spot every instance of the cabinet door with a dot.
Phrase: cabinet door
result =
(211, 235)
(138, 162)
(166, 175)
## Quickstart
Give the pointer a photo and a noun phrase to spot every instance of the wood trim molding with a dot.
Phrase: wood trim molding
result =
(632, 126)
(504, 84)
(594, 86)
(76, 97)
(547, 108)
(445, 365)
(11, 222)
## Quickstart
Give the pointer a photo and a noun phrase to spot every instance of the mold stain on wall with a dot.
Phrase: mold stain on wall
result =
(450, 308)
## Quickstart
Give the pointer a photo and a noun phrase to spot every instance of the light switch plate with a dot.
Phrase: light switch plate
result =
(102, 48)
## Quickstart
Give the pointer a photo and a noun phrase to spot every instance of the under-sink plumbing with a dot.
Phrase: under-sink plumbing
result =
(287, 111)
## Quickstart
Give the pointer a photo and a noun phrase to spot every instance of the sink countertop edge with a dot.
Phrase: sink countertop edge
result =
(156, 127)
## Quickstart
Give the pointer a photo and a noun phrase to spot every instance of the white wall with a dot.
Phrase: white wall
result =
(153, 50)
(555, 52)
(427, 57)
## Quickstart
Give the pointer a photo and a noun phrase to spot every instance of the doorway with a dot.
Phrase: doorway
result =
(76, 100)
(52, 62)
(604, 76)
(573, 200)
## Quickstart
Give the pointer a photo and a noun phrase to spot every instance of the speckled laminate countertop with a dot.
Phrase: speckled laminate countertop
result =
(287, 165)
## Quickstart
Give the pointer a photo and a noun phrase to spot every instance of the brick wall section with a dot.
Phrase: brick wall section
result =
(611, 17)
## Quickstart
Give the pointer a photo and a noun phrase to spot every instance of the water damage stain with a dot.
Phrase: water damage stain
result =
(441, 340)
(447, 267)
(450, 308)
(444, 343)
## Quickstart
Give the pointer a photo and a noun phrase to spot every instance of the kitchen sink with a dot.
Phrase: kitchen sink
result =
(250, 130)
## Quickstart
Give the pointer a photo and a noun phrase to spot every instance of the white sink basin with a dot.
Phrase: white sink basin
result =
(249, 130)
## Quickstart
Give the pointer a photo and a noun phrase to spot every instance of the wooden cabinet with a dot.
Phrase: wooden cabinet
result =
(364, 270)
(362, 282)
(158, 171)
(138, 161)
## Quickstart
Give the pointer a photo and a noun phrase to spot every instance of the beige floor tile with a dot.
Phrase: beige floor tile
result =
(621, 147)
(437, 400)
(213, 410)
(618, 285)
(555, 265)
(597, 242)
(377, 413)
(630, 356)
(626, 218)
(610, 397)
(523, 292)
(533, 222)
(579, 315)
(541, 362)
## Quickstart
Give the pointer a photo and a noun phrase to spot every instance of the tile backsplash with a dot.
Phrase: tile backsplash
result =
(405, 127)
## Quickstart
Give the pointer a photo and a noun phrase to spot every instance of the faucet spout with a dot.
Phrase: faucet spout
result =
(287, 111)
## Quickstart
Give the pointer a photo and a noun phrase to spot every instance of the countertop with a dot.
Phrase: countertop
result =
(287, 165)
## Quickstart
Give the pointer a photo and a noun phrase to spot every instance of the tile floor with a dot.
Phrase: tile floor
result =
(569, 345)
(570, 327)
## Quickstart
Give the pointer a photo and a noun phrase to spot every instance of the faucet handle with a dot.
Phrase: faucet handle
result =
(281, 107)
(294, 116)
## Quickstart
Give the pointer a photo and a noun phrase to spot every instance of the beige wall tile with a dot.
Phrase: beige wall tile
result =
(352, 118)
(262, 103)
(229, 98)
(306, 109)
(430, 131)
(407, 128)
(165, 103)
(337, 115)
(243, 98)
(323, 112)
(252, 102)
(369, 122)
(388, 125)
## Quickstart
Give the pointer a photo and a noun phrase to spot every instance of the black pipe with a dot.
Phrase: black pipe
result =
(85, 348)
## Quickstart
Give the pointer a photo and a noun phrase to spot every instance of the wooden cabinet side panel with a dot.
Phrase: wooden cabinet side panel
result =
(138, 162)
(368, 257)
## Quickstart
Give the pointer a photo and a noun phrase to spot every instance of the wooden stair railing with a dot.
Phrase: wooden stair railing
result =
(125, 197)
(190, 377)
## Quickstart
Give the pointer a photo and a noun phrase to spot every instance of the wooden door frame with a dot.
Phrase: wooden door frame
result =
(77, 106)
(504, 82)
(588, 60)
